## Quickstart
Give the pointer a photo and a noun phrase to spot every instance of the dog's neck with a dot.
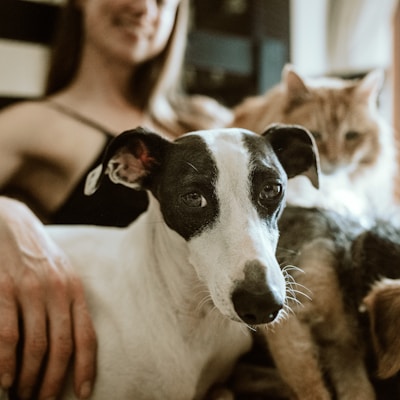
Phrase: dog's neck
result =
(189, 310)
(185, 291)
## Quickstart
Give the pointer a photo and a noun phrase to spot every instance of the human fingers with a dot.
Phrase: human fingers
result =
(220, 392)
(70, 328)
(59, 335)
(85, 345)
(35, 341)
(9, 332)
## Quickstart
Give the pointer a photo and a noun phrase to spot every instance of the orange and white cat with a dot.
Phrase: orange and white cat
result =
(356, 146)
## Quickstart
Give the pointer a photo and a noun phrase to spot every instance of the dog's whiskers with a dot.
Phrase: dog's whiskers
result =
(301, 293)
(284, 315)
(296, 287)
(287, 250)
(245, 328)
(291, 267)
(289, 278)
(203, 296)
(294, 300)
(270, 326)
(294, 291)
(302, 286)
(206, 300)
(221, 321)
(252, 328)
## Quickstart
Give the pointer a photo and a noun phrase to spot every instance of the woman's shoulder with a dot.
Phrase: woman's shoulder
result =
(203, 112)
(29, 128)
(26, 107)
(24, 114)
(32, 118)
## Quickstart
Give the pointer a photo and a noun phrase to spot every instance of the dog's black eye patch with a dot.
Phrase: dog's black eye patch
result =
(186, 188)
(267, 178)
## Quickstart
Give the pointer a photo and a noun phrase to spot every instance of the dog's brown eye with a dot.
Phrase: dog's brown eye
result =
(270, 192)
(194, 199)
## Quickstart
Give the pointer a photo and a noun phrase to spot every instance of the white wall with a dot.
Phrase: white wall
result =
(23, 66)
(341, 36)
(308, 35)
(344, 37)
(360, 35)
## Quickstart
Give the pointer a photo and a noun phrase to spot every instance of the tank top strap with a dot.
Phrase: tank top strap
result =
(79, 117)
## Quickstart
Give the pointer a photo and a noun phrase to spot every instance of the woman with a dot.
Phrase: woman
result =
(116, 65)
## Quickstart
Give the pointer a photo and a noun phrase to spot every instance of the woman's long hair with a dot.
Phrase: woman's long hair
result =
(157, 83)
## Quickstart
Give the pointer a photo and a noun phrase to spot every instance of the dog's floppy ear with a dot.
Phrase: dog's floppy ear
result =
(296, 150)
(129, 159)
(383, 306)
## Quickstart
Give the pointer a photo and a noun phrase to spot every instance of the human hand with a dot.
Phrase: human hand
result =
(42, 310)
(220, 392)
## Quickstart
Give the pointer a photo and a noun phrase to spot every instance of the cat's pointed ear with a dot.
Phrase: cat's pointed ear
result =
(296, 88)
(369, 87)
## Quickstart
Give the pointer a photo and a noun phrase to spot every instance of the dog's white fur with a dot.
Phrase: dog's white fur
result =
(157, 331)
(161, 305)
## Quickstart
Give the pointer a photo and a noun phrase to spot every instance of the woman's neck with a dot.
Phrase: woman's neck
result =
(103, 77)
(102, 91)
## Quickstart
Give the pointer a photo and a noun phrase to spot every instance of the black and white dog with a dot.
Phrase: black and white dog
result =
(172, 294)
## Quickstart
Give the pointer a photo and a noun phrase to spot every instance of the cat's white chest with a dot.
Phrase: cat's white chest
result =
(335, 193)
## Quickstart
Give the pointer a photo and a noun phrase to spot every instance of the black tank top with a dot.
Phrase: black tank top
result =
(111, 205)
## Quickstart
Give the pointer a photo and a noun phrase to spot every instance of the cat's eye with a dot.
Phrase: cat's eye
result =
(352, 135)
(269, 193)
(194, 199)
(317, 135)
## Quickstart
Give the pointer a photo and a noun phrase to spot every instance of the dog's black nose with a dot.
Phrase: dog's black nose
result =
(254, 307)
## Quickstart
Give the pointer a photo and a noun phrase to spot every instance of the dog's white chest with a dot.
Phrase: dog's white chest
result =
(180, 360)
(146, 343)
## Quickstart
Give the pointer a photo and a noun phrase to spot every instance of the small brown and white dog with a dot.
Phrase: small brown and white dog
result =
(383, 306)
(377, 255)
(347, 286)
